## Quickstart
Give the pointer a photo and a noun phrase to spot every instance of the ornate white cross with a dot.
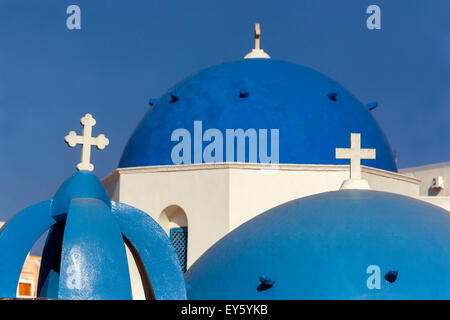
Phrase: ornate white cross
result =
(257, 52)
(86, 140)
(355, 154)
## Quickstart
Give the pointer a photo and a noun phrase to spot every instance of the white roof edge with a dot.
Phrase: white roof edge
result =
(424, 167)
(258, 166)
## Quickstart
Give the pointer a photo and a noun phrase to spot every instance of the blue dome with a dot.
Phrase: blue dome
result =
(320, 247)
(82, 184)
(313, 113)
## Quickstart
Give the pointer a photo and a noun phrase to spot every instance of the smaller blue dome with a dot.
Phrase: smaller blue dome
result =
(326, 246)
(82, 184)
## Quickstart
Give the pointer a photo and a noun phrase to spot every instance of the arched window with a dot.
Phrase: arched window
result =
(173, 219)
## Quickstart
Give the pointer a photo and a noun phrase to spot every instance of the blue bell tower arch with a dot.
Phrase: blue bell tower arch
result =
(86, 235)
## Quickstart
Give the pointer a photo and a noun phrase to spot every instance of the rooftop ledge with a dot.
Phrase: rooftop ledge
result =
(258, 166)
(426, 167)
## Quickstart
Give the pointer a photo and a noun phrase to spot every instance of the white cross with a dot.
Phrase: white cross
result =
(355, 154)
(86, 140)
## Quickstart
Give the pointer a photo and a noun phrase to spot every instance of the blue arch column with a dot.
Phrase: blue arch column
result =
(92, 244)
(50, 263)
(17, 237)
(155, 249)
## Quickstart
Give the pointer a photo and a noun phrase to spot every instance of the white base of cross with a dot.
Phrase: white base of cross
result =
(257, 53)
(355, 184)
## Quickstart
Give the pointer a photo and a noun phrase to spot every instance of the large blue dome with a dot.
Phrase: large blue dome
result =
(320, 247)
(313, 113)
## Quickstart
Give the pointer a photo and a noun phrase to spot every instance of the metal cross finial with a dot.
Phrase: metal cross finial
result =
(355, 154)
(257, 52)
(257, 36)
(86, 140)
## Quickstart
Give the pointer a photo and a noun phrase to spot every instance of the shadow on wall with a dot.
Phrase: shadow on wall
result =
(434, 191)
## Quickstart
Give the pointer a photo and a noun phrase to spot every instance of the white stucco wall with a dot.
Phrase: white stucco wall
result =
(253, 191)
(426, 175)
(387, 181)
(137, 287)
(443, 202)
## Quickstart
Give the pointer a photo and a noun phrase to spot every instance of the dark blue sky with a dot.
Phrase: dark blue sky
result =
(130, 51)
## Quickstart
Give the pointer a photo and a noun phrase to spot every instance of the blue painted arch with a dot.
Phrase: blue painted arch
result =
(93, 259)
(314, 114)
(155, 250)
(84, 256)
(17, 237)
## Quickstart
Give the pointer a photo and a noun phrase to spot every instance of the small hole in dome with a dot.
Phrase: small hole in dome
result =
(173, 99)
(243, 94)
(371, 106)
(266, 283)
(151, 102)
(391, 276)
(332, 96)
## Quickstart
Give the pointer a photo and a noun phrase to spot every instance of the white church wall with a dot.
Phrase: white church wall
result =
(253, 191)
(112, 185)
(386, 181)
(443, 202)
(137, 288)
(426, 175)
